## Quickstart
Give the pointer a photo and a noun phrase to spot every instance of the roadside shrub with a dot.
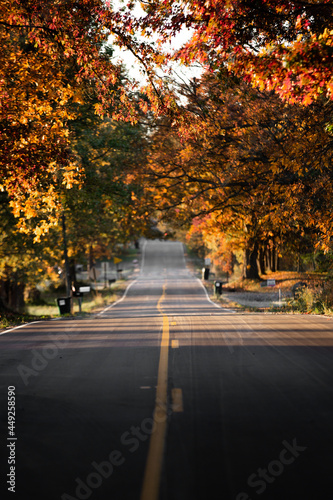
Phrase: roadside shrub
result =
(327, 295)
(317, 298)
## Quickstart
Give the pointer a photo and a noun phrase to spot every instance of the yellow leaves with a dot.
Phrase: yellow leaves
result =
(326, 36)
(98, 108)
(23, 120)
(78, 97)
(16, 209)
(29, 208)
(40, 230)
(70, 176)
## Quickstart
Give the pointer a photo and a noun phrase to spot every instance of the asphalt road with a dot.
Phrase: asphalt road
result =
(167, 396)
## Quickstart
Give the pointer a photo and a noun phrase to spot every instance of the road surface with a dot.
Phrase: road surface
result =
(166, 396)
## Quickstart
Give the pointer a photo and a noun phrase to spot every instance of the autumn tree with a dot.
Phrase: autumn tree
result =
(274, 44)
(23, 263)
(253, 164)
(108, 207)
(51, 54)
(55, 61)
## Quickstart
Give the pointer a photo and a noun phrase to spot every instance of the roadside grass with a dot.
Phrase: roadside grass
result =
(92, 301)
(283, 279)
(11, 319)
(47, 307)
(314, 297)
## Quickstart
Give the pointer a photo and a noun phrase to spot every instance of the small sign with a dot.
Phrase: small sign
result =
(271, 282)
(94, 273)
(207, 261)
(84, 289)
(116, 260)
(62, 302)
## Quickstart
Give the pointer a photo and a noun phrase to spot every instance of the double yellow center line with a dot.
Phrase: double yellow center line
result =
(151, 481)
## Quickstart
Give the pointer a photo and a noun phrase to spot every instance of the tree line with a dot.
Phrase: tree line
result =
(246, 167)
(241, 155)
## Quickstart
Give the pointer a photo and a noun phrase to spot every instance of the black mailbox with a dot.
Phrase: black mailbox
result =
(218, 287)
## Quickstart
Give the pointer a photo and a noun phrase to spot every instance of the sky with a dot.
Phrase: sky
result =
(134, 68)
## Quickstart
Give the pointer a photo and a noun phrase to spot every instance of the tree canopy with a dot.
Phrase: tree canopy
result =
(53, 55)
(242, 155)
(245, 163)
(274, 44)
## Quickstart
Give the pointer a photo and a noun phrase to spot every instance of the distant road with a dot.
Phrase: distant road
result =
(168, 396)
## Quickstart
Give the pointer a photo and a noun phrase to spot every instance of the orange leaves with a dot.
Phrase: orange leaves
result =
(50, 62)
(243, 157)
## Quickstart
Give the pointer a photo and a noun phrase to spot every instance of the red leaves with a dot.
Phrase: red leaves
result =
(260, 41)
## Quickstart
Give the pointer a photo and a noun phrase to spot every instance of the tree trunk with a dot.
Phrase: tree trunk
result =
(273, 258)
(12, 295)
(90, 258)
(72, 269)
(67, 267)
(261, 260)
(250, 267)
(268, 259)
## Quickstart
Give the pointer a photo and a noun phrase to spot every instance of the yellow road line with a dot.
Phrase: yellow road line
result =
(152, 476)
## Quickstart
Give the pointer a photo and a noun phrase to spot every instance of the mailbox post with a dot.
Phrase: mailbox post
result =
(80, 293)
(79, 296)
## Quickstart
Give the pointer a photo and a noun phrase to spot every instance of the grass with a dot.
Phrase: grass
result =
(9, 320)
(315, 298)
(283, 279)
(47, 308)
(92, 302)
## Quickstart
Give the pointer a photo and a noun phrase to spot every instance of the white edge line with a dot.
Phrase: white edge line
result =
(203, 286)
(129, 286)
(106, 309)
(20, 326)
(117, 301)
(209, 300)
(56, 319)
(31, 323)
(207, 296)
